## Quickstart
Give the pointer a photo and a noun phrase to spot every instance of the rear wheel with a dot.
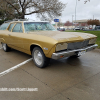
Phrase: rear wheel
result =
(5, 47)
(39, 58)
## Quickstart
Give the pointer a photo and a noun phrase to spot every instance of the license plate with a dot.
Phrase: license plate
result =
(81, 53)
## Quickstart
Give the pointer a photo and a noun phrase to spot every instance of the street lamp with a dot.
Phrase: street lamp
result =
(72, 20)
(75, 12)
(93, 17)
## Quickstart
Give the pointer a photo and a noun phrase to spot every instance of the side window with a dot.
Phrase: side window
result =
(11, 26)
(4, 26)
(18, 28)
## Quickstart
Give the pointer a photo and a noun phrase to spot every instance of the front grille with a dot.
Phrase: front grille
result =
(77, 45)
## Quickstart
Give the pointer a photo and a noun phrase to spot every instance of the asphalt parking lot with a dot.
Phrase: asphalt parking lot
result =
(65, 79)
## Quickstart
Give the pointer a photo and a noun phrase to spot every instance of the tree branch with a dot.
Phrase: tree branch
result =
(12, 6)
(7, 11)
(20, 3)
(39, 11)
(27, 4)
(24, 2)
(33, 12)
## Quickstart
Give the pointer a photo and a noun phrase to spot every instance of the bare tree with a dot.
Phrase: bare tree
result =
(43, 8)
(7, 10)
(68, 23)
(93, 22)
(85, 1)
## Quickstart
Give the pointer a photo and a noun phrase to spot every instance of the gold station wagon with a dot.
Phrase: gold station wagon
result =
(43, 41)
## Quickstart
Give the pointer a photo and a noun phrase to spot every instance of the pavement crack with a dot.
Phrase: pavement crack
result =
(37, 79)
(58, 94)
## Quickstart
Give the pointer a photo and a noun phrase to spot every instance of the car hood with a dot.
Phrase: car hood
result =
(65, 36)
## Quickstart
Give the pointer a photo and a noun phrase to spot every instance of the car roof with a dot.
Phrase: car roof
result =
(24, 21)
(34, 21)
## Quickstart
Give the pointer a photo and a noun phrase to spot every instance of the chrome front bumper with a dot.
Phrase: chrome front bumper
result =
(63, 54)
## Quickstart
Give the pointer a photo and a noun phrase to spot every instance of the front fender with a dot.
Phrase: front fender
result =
(44, 46)
(49, 55)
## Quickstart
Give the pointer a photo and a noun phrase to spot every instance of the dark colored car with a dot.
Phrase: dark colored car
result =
(97, 28)
(61, 29)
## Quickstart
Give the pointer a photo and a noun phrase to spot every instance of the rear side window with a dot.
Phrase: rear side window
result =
(4, 26)
(11, 26)
(17, 28)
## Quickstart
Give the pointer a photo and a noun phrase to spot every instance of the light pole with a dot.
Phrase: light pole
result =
(75, 12)
(72, 20)
(93, 17)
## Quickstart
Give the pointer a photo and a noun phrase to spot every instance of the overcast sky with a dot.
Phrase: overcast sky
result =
(84, 11)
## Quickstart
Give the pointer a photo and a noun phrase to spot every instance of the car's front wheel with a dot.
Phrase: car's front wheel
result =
(39, 58)
(5, 47)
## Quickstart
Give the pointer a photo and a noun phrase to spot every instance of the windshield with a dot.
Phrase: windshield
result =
(36, 26)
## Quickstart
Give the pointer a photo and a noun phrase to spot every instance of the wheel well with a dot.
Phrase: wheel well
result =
(33, 46)
(1, 43)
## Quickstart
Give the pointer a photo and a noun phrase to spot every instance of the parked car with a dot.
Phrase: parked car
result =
(43, 41)
(61, 29)
(77, 28)
(97, 27)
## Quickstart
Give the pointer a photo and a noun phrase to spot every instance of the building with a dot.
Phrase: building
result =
(81, 22)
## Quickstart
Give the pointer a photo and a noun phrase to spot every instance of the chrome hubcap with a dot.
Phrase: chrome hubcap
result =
(38, 57)
(4, 46)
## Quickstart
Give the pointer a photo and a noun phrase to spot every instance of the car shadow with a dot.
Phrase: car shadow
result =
(68, 62)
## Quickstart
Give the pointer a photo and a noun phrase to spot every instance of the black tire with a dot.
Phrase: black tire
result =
(5, 47)
(75, 56)
(40, 56)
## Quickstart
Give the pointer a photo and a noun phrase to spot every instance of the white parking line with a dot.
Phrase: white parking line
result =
(1, 48)
(15, 67)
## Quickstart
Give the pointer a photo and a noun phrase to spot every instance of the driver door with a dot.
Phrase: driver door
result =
(17, 36)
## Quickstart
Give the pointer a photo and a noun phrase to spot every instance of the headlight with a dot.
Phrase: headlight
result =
(62, 46)
(92, 41)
